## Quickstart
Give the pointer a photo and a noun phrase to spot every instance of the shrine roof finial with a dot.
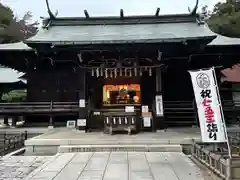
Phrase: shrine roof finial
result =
(49, 11)
(194, 11)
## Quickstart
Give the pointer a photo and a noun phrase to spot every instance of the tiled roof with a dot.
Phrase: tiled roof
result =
(126, 33)
(224, 41)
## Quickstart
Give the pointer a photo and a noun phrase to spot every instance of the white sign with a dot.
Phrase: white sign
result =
(144, 109)
(159, 105)
(82, 103)
(96, 113)
(71, 124)
(147, 122)
(81, 122)
(129, 108)
(209, 106)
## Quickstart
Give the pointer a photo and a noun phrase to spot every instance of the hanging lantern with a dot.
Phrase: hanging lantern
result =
(101, 72)
(92, 72)
(150, 72)
(130, 73)
(120, 73)
(135, 71)
(106, 73)
(115, 72)
(111, 73)
(97, 72)
(140, 72)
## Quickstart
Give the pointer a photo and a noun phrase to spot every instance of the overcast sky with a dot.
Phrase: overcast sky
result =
(102, 7)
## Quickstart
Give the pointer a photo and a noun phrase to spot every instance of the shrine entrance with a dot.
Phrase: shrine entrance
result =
(119, 100)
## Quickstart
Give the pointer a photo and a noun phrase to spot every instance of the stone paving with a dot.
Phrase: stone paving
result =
(18, 167)
(118, 166)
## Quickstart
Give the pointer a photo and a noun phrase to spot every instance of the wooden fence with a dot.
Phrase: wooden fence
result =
(38, 107)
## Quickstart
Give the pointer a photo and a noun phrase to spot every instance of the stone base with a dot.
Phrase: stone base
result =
(121, 148)
(5, 126)
(97, 141)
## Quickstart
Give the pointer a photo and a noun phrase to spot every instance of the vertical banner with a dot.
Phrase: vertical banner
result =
(159, 105)
(209, 107)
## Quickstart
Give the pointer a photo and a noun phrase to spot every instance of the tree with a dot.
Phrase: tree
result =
(13, 29)
(225, 18)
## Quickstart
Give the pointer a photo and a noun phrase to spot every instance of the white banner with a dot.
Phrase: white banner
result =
(208, 105)
(159, 105)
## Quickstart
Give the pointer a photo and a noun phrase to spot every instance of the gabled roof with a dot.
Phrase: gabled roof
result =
(225, 41)
(125, 33)
(123, 29)
(15, 46)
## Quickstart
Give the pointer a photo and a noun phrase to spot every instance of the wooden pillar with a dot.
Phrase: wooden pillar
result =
(5, 121)
(82, 115)
(195, 113)
(50, 125)
(159, 112)
(14, 121)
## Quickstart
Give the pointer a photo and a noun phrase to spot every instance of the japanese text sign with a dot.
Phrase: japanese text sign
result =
(208, 105)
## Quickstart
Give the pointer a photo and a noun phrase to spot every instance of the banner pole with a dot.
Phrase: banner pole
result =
(221, 110)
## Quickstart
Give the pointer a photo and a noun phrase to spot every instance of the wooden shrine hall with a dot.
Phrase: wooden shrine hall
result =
(115, 73)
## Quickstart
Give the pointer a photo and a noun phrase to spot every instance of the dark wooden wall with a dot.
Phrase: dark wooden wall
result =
(58, 85)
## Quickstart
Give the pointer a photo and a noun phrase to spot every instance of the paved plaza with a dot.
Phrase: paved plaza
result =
(118, 166)
(19, 167)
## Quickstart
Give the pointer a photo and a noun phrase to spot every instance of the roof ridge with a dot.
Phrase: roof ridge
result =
(115, 20)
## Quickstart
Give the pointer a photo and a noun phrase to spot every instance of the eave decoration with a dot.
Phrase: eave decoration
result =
(51, 15)
(194, 11)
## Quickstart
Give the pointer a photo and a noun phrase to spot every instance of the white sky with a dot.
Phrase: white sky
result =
(75, 8)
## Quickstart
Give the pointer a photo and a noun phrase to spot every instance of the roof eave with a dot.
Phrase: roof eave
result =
(117, 42)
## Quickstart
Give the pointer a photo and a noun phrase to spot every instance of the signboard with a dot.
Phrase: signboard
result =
(81, 122)
(159, 105)
(129, 108)
(147, 121)
(209, 107)
(71, 124)
(82, 103)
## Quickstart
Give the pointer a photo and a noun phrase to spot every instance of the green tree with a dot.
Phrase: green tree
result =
(13, 29)
(225, 18)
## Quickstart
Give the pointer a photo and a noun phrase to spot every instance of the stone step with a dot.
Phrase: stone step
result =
(121, 148)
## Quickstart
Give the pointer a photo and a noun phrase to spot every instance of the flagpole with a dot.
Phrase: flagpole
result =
(221, 110)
